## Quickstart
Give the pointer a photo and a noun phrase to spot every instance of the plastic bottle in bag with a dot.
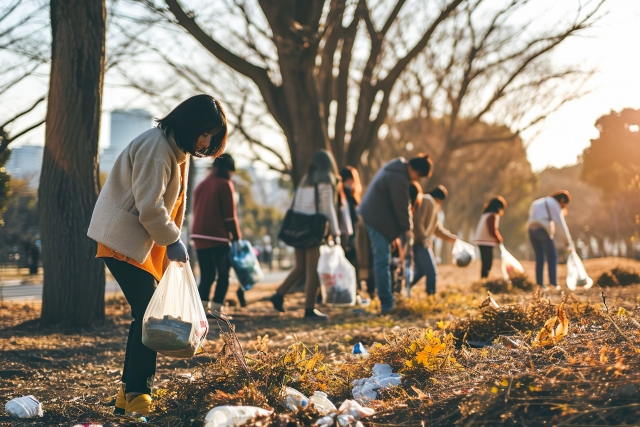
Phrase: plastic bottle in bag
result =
(463, 253)
(175, 323)
(24, 407)
(322, 403)
(337, 277)
(232, 416)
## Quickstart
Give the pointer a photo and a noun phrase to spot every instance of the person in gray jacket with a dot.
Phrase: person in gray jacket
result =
(386, 213)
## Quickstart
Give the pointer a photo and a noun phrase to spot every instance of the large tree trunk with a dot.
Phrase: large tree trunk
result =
(74, 279)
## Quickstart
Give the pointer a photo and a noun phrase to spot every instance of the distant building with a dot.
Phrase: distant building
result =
(25, 163)
(125, 126)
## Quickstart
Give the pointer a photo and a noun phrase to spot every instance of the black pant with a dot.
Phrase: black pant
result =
(139, 360)
(214, 260)
(486, 255)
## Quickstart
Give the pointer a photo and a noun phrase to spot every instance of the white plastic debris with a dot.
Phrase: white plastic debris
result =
(349, 415)
(322, 403)
(295, 400)
(24, 407)
(366, 389)
(232, 416)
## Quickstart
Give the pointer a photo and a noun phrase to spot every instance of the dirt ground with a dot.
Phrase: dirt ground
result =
(76, 373)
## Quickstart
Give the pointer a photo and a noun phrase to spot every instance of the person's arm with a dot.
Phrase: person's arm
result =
(561, 225)
(328, 207)
(492, 224)
(444, 234)
(229, 212)
(149, 180)
(398, 191)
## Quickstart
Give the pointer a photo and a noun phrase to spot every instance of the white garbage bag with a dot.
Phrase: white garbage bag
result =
(511, 267)
(175, 323)
(337, 277)
(576, 273)
(463, 253)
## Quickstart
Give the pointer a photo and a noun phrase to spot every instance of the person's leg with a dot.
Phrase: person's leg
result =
(419, 260)
(207, 272)
(223, 265)
(296, 273)
(486, 256)
(538, 250)
(552, 258)
(382, 274)
(138, 287)
(431, 272)
(312, 283)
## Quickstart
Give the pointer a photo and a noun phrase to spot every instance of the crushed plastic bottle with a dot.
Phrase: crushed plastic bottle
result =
(322, 403)
(295, 400)
(360, 350)
(366, 389)
(349, 415)
(24, 407)
(232, 416)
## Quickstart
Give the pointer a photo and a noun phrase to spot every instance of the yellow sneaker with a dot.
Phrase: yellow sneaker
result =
(121, 402)
(139, 405)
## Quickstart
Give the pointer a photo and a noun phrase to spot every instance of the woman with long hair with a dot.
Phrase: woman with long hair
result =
(137, 223)
(215, 225)
(322, 176)
(546, 225)
(487, 234)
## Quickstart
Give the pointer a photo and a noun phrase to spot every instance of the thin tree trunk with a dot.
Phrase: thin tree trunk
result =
(74, 279)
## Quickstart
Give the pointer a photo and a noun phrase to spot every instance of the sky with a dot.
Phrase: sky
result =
(612, 47)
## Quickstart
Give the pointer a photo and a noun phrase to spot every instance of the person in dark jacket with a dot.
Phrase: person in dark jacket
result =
(215, 225)
(386, 213)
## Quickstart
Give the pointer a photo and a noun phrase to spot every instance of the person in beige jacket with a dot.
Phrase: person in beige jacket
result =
(425, 227)
(137, 223)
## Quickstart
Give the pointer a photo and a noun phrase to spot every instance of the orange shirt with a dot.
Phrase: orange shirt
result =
(157, 261)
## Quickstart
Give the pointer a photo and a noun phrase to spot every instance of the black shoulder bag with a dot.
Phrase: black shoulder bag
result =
(301, 230)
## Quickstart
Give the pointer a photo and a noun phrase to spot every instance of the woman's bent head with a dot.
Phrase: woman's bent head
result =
(496, 205)
(198, 125)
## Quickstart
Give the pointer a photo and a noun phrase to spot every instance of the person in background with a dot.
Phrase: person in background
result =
(215, 225)
(546, 223)
(425, 227)
(137, 223)
(386, 213)
(323, 175)
(353, 193)
(488, 234)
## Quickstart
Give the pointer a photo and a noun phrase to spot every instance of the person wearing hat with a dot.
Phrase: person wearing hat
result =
(215, 225)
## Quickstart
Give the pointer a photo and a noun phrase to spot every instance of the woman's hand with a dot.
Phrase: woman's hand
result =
(177, 252)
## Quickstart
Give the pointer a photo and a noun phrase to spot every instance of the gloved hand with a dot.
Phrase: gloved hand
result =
(177, 252)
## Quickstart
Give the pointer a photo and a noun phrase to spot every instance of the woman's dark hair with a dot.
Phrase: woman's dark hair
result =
(194, 117)
(495, 204)
(439, 193)
(321, 169)
(562, 196)
(415, 194)
(223, 165)
(349, 172)
(422, 164)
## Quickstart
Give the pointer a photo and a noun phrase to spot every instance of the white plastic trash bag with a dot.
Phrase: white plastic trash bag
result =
(337, 277)
(511, 267)
(463, 253)
(175, 323)
(576, 273)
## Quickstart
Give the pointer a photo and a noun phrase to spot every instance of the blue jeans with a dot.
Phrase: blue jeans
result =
(425, 262)
(381, 271)
(544, 247)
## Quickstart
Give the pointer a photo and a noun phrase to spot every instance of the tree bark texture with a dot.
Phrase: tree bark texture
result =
(74, 279)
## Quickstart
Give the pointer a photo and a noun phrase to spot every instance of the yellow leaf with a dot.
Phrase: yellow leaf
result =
(494, 390)
(622, 312)
(304, 353)
(414, 346)
(504, 382)
(484, 352)
(409, 363)
(553, 330)
(435, 381)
